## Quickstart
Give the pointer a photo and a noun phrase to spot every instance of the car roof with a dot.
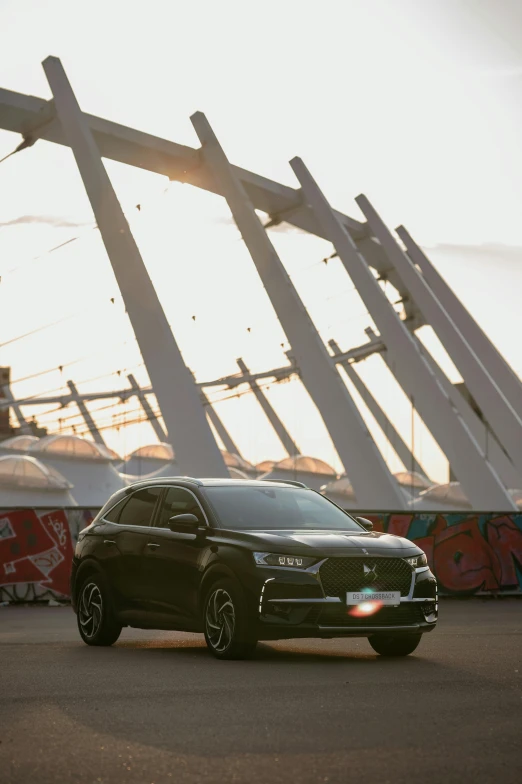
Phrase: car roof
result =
(211, 482)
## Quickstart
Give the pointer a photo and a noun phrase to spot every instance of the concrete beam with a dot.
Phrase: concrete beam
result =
(220, 428)
(486, 440)
(36, 118)
(14, 405)
(175, 390)
(86, 414)
(395, 439)
(496, 409)
(147, 409)
(483, 435)
(493, 361)
(280, 430)
(370, 477)
(479, 479)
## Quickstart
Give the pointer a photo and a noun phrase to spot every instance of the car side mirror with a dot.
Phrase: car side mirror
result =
(188, 520)
(367, 524)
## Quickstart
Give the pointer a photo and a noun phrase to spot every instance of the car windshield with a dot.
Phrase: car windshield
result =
(274, 508)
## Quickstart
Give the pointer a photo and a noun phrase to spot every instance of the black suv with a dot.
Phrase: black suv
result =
(243, 561)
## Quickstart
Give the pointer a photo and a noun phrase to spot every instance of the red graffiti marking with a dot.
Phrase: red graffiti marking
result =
(506, 540)
(399, 524)
(36, 550)
(464, 558)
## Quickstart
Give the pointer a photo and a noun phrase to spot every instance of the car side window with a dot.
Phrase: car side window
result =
(113, 515)
(140, 506)
(178, 501)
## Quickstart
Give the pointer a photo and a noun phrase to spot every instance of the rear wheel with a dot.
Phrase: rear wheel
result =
(399, 645)
(96, 622)
(229, 632)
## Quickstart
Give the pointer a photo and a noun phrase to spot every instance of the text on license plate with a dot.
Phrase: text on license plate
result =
(383, 597)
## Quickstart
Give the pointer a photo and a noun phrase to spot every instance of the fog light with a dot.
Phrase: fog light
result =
(429, 610)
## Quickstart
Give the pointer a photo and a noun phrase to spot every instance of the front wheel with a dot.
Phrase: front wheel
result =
(400, 645)
(96, 623)
(229, 631)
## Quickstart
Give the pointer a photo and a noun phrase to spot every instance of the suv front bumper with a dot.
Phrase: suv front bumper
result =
(294, 605)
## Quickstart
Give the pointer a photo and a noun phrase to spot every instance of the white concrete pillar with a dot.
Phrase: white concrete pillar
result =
(393, 436)
(86, 414)
(482, 434)
(485, 439)
(503, 420)
(280, 430)
(480, 481)
(175, 390)
(504, 376)
(373, 483)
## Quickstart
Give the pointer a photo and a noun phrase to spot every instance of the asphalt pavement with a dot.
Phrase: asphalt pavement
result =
(156, 707)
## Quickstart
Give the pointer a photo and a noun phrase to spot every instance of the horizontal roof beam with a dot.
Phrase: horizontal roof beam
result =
(35, 118)
(278, 374)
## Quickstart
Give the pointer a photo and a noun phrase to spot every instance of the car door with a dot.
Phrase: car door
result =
(175, 558)
(125, 538)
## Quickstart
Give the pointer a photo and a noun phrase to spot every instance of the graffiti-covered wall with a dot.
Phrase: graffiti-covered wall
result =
(36, 548)
(469, 553)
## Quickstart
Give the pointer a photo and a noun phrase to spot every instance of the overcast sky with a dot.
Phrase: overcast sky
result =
(416, 104)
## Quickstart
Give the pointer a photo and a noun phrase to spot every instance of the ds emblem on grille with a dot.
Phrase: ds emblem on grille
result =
(370, 573)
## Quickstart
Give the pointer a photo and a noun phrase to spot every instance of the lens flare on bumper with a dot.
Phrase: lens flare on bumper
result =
(365, 608)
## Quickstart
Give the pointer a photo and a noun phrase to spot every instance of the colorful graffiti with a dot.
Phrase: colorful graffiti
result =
(36, 549)
(469, 553)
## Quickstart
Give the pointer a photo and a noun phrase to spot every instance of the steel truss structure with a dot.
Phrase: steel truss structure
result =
(485, 450)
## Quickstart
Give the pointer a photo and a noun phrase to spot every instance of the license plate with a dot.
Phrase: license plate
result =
(383, 597)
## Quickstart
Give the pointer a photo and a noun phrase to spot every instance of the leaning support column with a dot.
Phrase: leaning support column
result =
(480, 481)
(86, 414)
(488, 443)
(397, 443)
(497, 367)
(147, 409)
(175, 390)
(486, 440)
(220, 428)
(373, 483)
(281, 432)
(497, 411)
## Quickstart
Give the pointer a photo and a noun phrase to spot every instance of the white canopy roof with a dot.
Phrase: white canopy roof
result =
(72, 447)
(21, 443)
(304, 464)
(159, 451)
(447, 497)
(235, 461)
(27, 472)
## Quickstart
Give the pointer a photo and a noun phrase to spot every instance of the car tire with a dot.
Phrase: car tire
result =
(95, 617)
(399, 645)
(229, 632)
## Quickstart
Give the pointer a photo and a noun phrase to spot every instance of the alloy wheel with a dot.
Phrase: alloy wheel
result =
(90, 610)
(220, 620)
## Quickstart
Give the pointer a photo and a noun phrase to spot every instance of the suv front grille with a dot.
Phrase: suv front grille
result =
(339, 575)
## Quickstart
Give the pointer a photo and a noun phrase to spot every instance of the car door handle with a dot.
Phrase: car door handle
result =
(109, 541)
(152, 545)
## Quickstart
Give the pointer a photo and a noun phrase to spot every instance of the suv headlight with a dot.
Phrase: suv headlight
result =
(290, 561)
(418, 560)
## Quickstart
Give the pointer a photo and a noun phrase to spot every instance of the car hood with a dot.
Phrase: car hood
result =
(323, 542)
